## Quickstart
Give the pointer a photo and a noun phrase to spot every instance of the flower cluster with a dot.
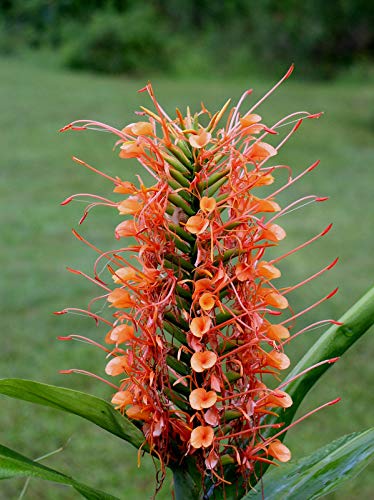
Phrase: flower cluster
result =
(196, 322)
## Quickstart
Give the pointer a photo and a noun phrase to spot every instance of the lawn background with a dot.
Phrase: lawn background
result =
(37, 173)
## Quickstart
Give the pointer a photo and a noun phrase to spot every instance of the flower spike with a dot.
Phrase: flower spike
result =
(194, 314)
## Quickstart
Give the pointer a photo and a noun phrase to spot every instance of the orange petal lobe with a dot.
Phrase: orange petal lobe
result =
(139, 413)
(139, 128)
(126, 228)
(267, 270)
(207, 301)
(207, 204)
(200, 140)
(275, 299)
(278, 360)
(278, 399)
(124, 274)
(277, 332)
(120, 298)
(125, 187)
(203, 360)
(261, 150)
(122, 399)
(249, 120)
(200, 325)
(120, 334)
(130, 150)
(202, 437)
(116, 366)
(201, 399)
(130, 206)
(273, 232)
(279, 451)
(196, 224)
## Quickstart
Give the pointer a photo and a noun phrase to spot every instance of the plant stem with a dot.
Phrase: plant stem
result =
(187, 483)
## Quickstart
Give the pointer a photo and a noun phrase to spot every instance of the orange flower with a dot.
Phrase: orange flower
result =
(249, 121)
(260, 205)
(275, 299)
(122, 399)
(200, 139)
(202, 285)
(196, 224)
(130, 149)
(273, 232)
(208, 204)
(120, 298)
(120, 334)
(267, 270)
(244, 272)
(139, 128)
(207, 301)
(261, 179)
(278, 399)
(279, 451)
(202, 437)
(203, 360)
(278, 360)
(261, 150)
(130, 206)
(125, 187)
(201, 399)
(212, 460)
(126, 228)
(277, 332)
(124, 274)
(117, 365)
(139, 413)
(200, 325)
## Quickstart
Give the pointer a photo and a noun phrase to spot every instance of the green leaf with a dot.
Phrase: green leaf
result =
(338, 339)
(319, 473)
(187, 481)
(91, 408)
(13, 464)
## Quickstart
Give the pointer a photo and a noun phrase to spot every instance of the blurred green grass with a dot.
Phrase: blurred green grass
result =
(37, 173)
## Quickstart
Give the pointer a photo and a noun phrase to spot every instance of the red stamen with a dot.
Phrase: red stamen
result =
(303, 245)
(267, 441)
(89, 374)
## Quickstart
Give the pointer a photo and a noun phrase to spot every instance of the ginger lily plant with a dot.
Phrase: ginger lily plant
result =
(197, 329)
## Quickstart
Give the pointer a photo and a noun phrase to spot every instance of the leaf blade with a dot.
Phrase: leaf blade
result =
(333, 343)
(321, 472)
(13, 464)
(89, 407)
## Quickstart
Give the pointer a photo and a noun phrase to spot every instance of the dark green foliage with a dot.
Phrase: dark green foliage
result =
(230, 36)
(89, 407)
(13, 464)
(130, 42)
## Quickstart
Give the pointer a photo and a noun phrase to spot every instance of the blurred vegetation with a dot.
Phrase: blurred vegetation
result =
(195, 36)
(194, 40)
(37, 173)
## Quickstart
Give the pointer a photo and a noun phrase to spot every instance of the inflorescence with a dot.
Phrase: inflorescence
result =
(196, 320)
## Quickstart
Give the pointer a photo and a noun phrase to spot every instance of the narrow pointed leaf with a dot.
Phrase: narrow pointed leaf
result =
(89, 407)
(338, 339)
(13, 464)
(319, 473)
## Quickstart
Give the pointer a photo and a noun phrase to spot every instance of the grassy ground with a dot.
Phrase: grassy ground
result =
(36, 173)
